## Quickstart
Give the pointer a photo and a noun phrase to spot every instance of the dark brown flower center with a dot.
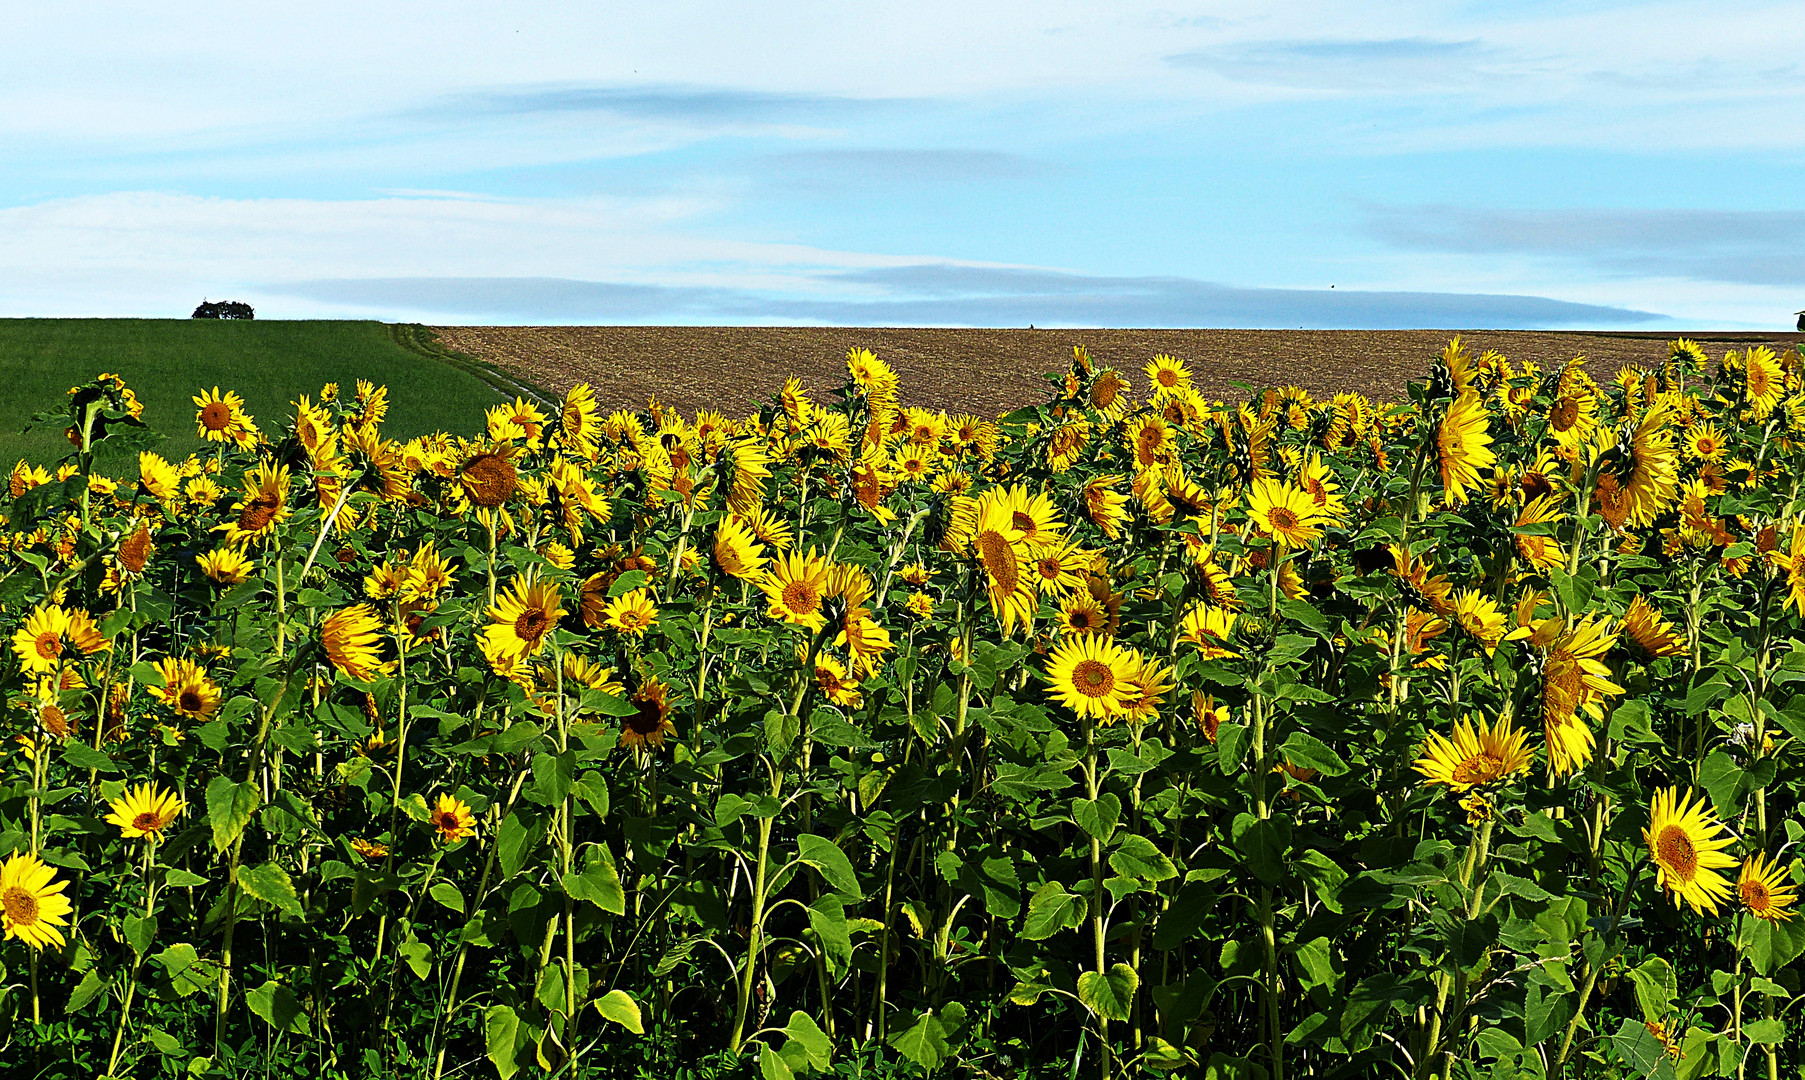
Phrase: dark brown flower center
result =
(531, 624)
(1755, 895)
(1023, 521)
(216, 416)
(259, 512)
(1677, 853)
(190, 700)
(1282, 519)
(149, 821)
(49, 645)
(648, 721)
(135, 551)
(490, 480)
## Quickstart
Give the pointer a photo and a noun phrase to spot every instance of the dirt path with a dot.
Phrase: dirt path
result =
(993, 370)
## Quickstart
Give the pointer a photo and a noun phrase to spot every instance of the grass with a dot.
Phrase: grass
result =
(269, 363)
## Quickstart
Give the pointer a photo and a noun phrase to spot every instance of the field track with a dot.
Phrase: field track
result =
(993, 370)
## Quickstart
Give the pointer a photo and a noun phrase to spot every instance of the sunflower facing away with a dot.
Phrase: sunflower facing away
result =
(1477, 754)
(522, 616)
(186, 688)
(1093, 676)
(31, 901)
(1574, 680)
(1686, 843)
(1765, 890)
(349, 637)
(144, 812)
(452, 817)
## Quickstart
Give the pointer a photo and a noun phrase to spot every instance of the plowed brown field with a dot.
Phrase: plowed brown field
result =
(994, 370)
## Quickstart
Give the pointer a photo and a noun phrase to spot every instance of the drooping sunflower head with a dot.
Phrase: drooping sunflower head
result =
(1463, 445)
(349, 637)
(1686, 841)
(263, 506)
(1477, 755)
(489, 476)
(144, 812)
(650, 722)
(580, 421)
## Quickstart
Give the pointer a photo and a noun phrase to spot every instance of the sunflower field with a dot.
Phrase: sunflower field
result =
(1130, 734)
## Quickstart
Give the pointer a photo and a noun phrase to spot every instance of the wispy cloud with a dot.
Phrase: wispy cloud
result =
(1404, 64)
(1754, 247)
(949, 295)
(838, 168)
(699, 105)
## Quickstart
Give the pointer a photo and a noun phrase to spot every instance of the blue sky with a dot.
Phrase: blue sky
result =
(1631, 165)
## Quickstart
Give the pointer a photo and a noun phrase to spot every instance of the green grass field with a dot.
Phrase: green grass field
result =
(167, 361)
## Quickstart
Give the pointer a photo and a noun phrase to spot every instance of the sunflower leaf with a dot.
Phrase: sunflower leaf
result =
(230, 807)
(271, 884)
(1109, 995)
(832, 864)
(619, 1007)
(626, 583)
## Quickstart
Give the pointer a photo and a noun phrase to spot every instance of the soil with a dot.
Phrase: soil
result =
(989, 371)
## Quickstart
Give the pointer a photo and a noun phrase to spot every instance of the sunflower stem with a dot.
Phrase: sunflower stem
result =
(1593, 970)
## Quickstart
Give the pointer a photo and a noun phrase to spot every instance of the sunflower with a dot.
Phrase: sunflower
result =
(1150, 683)
(1463, 447)
(1093, 676)
(631, 613)
(1644, 624)
(1648, 484)
(452, 817)
(1106, 507)
(1477, 754)
(1764, 889)
(144, 812)
(161, 479)
(225, 566)
(580, 421)
(428, 574)
(920, 605)
(651, 720)
(186, 688)
(1031, 514)
(1208, 628)
(1149, 438)
(832, 679)
(369, 849)
(1288, 515)
(135, 551)
(31, 902)
(1574, 679)
(1208, 714)
(1764, 382)
(1168, 373)
(747, 465)
(736, 551)
(349, 638)
(218, 417)
(1478, 615)
(1081, 614)
(263, 506)
(1704, 442)
(1058, 570)
(49, 632)
(524, 615)
(1009, 579)
(1540, 551)
(489, 477)
(1686, 844)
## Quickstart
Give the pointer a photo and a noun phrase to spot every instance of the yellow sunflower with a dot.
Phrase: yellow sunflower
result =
(1705, 442)
(161, 479)
(1644, 624)
(32, 904)
(1463, 447)
(1106, 507)
(1031, 514)
(1093, 676)
(489, 476)
(835, 683)
(186, 688)
(1574, 680)
(1009, 580)
(217, 417)
(452, 817)
(369, 849)
(349, 637)
(580, 421)
(631, 613)
(1765, 890)
(144, 812)
(1478, 615)
(1168, 373)
(920, 605)
(1060, 569)
(651, 721)
(1081, 614)
(736, 551)
(1764, 380)
(1288, 515)
(1477, 754)
(1573, 415)
(226, 566)
(50, 632)
(263, 506)
(524, 615)
(1686, 843)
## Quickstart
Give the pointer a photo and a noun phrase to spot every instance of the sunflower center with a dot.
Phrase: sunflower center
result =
(445, 822)
(1677, 853)
(490, 480)
(531, 625)
(54, 720)
(1478, 769)
(135, 552)
(189, 701)
(802, 597)
(1564, 414)
(49, 645)
(729, 558)
(149, 821)
(1083, 620)
(1050, 568)
(999, 561)
(1093, 678)
(21, 906)
(1282, 519)
(1755, 895)
(259, 512)
(1167, 377)
(1022, 521)
(649, 720)
(216, 416)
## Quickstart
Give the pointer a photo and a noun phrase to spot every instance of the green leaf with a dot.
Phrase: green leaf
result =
(619, 1007)
(447, 894)
(163, 1041)
(140, 931)
(771, 1065)
(926, 1041)
(1232, 741)
(230, 807)
(827, 918)
(1644, 1053)
(1186, 915)
(1137, 857)
(626, 583)
(553, 777)
(593, 790)
(807, 1035)
(85, 991)
(1098, 817)
(599, 883)
(1050, 910)
(832, 864)
(277, 1006)
(1771, 1030)
(1655, 988)
(519, 834)
(1110, 995)
(1311, 752)
(82, 756)
(1264, 843)
(272, 885)
(502, 1034)
(418, 956)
